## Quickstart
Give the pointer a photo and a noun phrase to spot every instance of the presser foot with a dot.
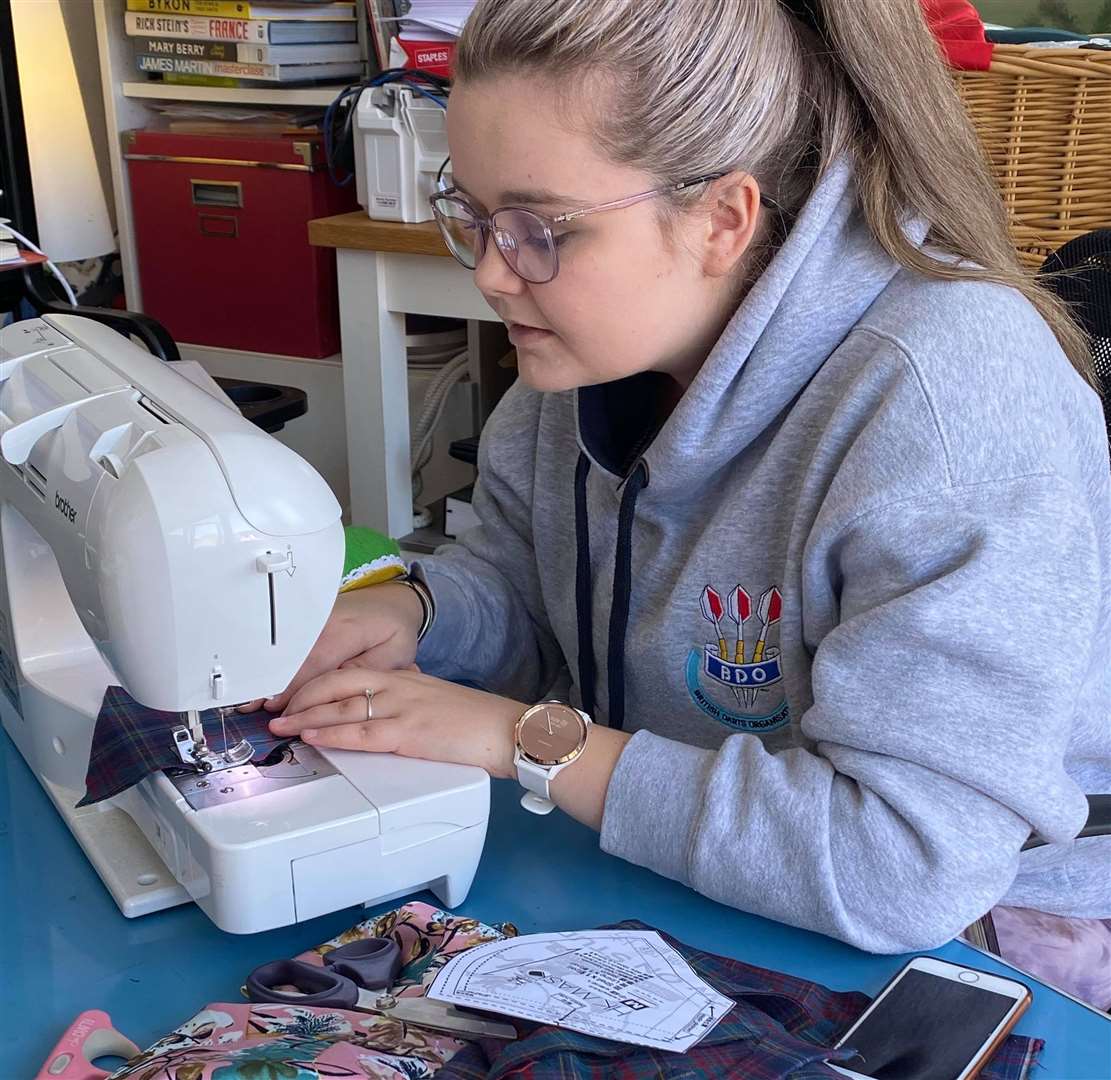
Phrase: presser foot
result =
(194, 750)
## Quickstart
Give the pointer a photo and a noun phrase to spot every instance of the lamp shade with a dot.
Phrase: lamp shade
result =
(70, 209)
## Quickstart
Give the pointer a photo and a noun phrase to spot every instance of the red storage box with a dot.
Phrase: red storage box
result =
(221, 233)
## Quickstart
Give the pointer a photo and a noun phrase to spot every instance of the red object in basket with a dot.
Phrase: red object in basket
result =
(959, 30)
(221, 231)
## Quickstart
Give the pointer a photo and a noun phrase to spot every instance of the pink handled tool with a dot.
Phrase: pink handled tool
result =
(90, 1036)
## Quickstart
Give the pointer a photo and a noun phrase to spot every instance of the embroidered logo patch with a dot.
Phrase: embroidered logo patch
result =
(748, 668)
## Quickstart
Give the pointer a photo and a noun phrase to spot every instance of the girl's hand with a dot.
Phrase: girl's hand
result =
(412, 714)
(375, 627)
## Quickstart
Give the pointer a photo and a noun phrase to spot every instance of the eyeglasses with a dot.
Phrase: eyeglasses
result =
(524, 237)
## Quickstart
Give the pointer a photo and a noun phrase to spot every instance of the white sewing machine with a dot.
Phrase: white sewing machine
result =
(151, 537)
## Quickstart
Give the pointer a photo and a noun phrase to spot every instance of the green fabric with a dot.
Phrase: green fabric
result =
(369, 557)
(364, 545)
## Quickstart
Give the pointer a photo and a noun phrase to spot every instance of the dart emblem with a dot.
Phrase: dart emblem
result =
(748, 666)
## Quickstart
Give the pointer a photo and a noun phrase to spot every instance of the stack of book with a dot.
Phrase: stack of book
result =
(241, 42)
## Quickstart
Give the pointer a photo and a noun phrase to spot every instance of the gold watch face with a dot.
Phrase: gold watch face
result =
(550, 733)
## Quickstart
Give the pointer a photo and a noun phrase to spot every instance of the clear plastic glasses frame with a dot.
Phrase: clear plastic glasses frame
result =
(525, 238)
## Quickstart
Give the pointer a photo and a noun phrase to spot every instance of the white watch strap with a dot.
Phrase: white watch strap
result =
(533, 777)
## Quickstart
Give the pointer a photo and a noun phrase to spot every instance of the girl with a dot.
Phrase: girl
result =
(802, 483)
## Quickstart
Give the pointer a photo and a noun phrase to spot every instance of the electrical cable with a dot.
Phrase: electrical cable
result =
(426, 83)
(5, 224)
(436, 398)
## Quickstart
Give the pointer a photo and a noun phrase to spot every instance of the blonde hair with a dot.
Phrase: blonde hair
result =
(779, 90)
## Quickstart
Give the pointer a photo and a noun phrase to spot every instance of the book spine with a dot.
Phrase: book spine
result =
(193, 50)
(253, 54)
(325, 53)
(235, 9)
(193, 27)
(382, 29)
(176, 65)
(239, 9)
(198, 80)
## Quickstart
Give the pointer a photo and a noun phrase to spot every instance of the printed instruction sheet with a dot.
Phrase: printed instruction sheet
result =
(627, 985)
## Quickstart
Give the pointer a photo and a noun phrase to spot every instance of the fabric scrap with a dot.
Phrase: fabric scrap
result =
(226, 1041)
(131, 741)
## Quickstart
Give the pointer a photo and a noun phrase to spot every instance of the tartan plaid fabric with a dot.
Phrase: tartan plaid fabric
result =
(779, 1030)
(131, 741)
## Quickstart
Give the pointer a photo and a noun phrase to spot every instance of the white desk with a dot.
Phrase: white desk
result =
(387, 270)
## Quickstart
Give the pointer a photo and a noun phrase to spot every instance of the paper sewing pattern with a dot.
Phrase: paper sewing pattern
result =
(626, 985)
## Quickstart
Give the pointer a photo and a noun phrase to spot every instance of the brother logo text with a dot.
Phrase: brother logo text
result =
(63, 507)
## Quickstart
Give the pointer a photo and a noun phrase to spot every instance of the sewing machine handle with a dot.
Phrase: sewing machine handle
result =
(129, 323)
(312, 985)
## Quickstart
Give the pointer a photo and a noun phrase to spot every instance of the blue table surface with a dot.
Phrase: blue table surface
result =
(67, 948)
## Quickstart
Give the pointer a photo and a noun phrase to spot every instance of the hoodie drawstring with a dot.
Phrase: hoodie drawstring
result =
(583, 598)
(634, 484)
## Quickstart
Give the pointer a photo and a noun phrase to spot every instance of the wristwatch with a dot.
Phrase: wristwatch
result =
(549, 737)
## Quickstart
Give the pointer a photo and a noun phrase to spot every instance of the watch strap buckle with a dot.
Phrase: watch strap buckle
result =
(537, 804)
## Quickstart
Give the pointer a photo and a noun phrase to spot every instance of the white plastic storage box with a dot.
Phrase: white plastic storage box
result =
(400, 146)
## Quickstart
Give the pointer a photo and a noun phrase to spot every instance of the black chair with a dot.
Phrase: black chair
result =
(1080, 274)
(267, 405)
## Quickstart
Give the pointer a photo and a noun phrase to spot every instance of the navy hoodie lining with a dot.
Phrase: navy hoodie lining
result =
(618, 420)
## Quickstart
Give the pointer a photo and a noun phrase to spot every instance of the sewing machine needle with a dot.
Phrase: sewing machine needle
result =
(224, 729)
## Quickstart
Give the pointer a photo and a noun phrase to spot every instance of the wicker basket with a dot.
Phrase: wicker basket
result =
(1044, 117)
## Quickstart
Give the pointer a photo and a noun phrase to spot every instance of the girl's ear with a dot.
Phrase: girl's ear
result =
(734, 211)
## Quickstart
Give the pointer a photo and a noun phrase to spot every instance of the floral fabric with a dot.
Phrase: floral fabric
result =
(227, 1041)
(428, 939)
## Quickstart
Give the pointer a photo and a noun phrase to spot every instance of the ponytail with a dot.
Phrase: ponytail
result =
(916, 150)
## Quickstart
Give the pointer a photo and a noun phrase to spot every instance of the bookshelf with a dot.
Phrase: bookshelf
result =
(293, 95)
(128, 104)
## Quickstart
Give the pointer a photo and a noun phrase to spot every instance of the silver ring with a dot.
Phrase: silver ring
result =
(369, 706)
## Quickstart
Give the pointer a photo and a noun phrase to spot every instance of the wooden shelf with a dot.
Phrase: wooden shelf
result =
(27, 258)
(234, 95)
(361, 233)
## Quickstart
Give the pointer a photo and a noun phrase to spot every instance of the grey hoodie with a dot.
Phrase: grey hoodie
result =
(853, 597)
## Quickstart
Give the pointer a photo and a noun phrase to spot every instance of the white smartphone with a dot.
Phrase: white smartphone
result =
(933, 1021)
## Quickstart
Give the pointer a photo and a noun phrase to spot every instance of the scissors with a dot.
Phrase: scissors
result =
(358, 976)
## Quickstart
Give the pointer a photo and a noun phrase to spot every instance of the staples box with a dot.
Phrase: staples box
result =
(430, 52)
